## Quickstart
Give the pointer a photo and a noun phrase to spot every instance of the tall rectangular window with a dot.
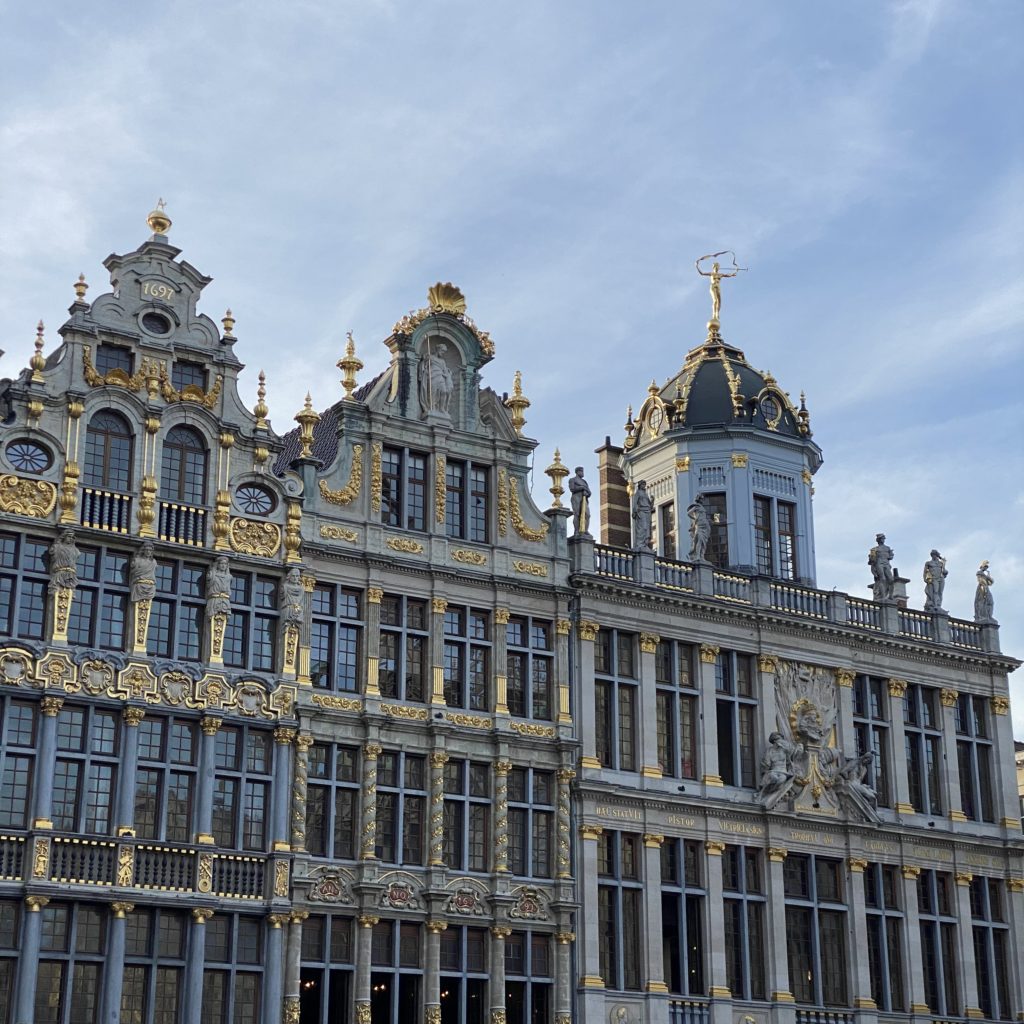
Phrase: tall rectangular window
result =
(530, 667)
(18, 725)
(85, 774)
(243, 762)
(332, 803)
(154, 968)
(745, 947)
(401, 807)
(620, 909)
(763, 544)
(667, 529)
(616, 696)
(336, 634)
(786, 513)
(99, 613)
(936, 907)
(992, 950)
(531, 821)
(10, 952)
(467, 815)
(69, 976)
(717, 552)
(403, 488)
(816, 930)
(165, 780)
(467, 656)
(250, 640)
(529, 994)
(974, 757)
(397, 975)
(23, 582)
(466, 500)
(328, 967)
(922, 725)
(883, 889)
(404, 648)
(233, 972)
(683, 916)
(871, 727)
(736, 709)
(677, 703)
(177, 617)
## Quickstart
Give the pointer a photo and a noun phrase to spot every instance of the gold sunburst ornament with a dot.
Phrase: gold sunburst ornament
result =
(446, 298)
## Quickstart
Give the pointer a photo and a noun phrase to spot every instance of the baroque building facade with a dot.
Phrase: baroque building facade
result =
(338, 725)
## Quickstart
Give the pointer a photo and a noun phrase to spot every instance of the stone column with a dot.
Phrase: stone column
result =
(293, 968)
(501, 770)
(563, 853)
(500, 654)
(207, 762)
(912, 941)
(900, 779)
(563, 977)
(432, 973)
(860, 983)
(125, 816)
(369, 837)
(280, 796)
(303, 741)
(562, 628)
(438, 760)
(767, 712)
(586, 717)
(965, 932)
(46, 762)
(845, 734)
(775, 907)
(374, 596)
(113, 966)
(438, 606)
(708, 710)
(719, 987)
(364, 952)
(273, 972)
(587, 873)
(499, 933)
(652, 954)
(1006, 804)
(954, 802)
(196, 957)
(650, 768)
(28, 961)
(308, 586)
(1015, 899)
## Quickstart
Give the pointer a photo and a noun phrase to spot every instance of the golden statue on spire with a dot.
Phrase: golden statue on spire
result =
(716, 276)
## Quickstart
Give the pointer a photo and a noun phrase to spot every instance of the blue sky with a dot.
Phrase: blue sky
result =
(564, 164)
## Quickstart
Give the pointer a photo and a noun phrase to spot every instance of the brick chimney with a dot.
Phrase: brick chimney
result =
(616, 523)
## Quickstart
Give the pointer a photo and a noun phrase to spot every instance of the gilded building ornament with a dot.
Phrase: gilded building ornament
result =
(121, 909)
(563, 627)
(204, 873)
(281, 874)
(558, 471)
(515, 515)
(254, 537)
(739, 460)
(146, 511)
(1000, 705)
(331, 532)
(349, 364)
(23, 497)
(466, 556)
(201, 914)
(949, 697)
(117, 377)
(911, 872)
(964, 878)
(374, 595)
(291, 1011)
(649, 642)
(376, 475)
(221, 521)
(438, 605)
(529, 568)
(432, 1014)
(444, 298)
(324, 700)
(897, 687)
(715, 847)
(1015, 884)
(347, 494)
(593, 832)
(777, 854)
(69, 492)
(588, 629)
(133, 716)
(364, 1014)
(845, 677)
(709, 653)
(50, 706)
(36, 903)
(293, 532)
(307, 418)
(190, 392)
(467, 721)
(531, 729)
(653, 841)
(41, 858)
(502, 501)
(440, 490)
(858, 865)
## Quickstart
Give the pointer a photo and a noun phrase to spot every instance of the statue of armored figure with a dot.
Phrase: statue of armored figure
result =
(218, 588)
(984, 606)
(700, 529)
(880, 559)
(778, 770)
(436, 381)
(63, 559)
(579, 490)
(643, 511)
(292, 603)
(934, 582)
(142, 574)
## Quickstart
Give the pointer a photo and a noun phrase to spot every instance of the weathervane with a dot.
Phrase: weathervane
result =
(716, 276)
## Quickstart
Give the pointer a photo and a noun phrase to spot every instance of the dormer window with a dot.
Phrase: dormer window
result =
(114, 357)
(185, 373)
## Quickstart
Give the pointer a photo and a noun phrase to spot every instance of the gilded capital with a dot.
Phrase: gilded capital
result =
(436, 927)
(845, 677)
(210, 725)
(649, 642)
(949, 697)
(653, 841)
(438, 605)
(375, 595)
(767, 662)
(1000, 705)
(501, 616)
(911, 872)
(372, 751)
(709, 653)
(500, 931)
(121, 910)
(964, 878)
(591, 831)
(715, 847)
(438, 759)
(1015, 884)
(562, 627)
(777, 853)
(367, 921)
(50, 706)
(588, 629)
(303, 741)
(857, 864)
(897, 687)
(284, 734)
(201, 914)
(502, 767)
(566, 775)
(133, 716)
(36, 903)
(278, 920)
(565, 938)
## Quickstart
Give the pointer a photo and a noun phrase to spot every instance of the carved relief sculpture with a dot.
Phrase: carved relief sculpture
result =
(983, 603)
(63, 563)
(643, 511)
(142, 583)
(218, 605)
(579, 491)
(934, 582)
(880, 559)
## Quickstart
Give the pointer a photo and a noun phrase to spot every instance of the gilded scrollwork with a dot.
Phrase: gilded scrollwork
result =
(516, 516)
(23, 497)
(331, 532)
(347, 494)
(440, 490)
(190, 392)
(406, 544)
(376, 475)
(252, 537)
(117, 377)
(468, 557)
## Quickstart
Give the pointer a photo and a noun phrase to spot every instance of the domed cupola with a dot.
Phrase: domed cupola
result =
(721, 438)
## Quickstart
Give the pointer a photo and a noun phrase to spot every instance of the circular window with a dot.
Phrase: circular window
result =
(155, 323)
(254, 500)
(28, 457)
(770, 409)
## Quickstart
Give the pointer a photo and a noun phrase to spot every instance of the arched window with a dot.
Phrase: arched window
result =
(183, 473)
(108, 452)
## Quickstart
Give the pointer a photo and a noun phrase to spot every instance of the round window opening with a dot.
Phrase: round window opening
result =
(28, 457)
(155, 323)
(254, 500)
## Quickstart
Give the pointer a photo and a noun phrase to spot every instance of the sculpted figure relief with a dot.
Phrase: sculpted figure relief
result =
(142, 574)
(64, 562)
(436, 381)
(700, 529)
(880, 559)
(777, 769)
(984, 606)
(292, 603)
(643, 510)
(934, 582)
(218, 588)
(579, 490)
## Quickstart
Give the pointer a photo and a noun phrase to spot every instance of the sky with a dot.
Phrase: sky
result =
(564, 164)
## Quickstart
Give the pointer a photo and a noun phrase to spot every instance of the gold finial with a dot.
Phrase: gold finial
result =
(158, 220)
(80, 288)
(804, 417)
(518, 403)
(38, 361)
(558, 472)
(679, 403)
(229, 323)
(629, 421)
(652, 388)
(260, 410)
(716, 275)
(350, 365)
(307, 418)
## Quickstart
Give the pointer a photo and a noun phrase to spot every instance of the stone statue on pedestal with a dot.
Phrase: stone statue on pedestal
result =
(700, 529)
(292, 603)
(142, 574)
(579, 490)
(880, 559)
(64, 562)
(218, 588)
(436, 381)
(643, 511)
(934, 582)
(983, 603)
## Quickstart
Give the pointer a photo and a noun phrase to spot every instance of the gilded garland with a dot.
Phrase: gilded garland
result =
(347, 494)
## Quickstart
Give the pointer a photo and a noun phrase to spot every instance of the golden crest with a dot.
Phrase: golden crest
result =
(23, 497)
(251, 537)
(446, 298)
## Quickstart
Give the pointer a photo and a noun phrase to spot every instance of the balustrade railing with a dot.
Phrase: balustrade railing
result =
(687, 1011)
(915, 624)
(823, 1017)
(83, 861)
(238, 876)
(673, 575)
(182, 524)
(106, 510)
(787, 597)
(732, 588)
(164, 868)
(862, 613)
(613, 562)
(965, 634)
(12, 858)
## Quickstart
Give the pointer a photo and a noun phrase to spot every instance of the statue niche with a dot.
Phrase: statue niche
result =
(440, 372)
